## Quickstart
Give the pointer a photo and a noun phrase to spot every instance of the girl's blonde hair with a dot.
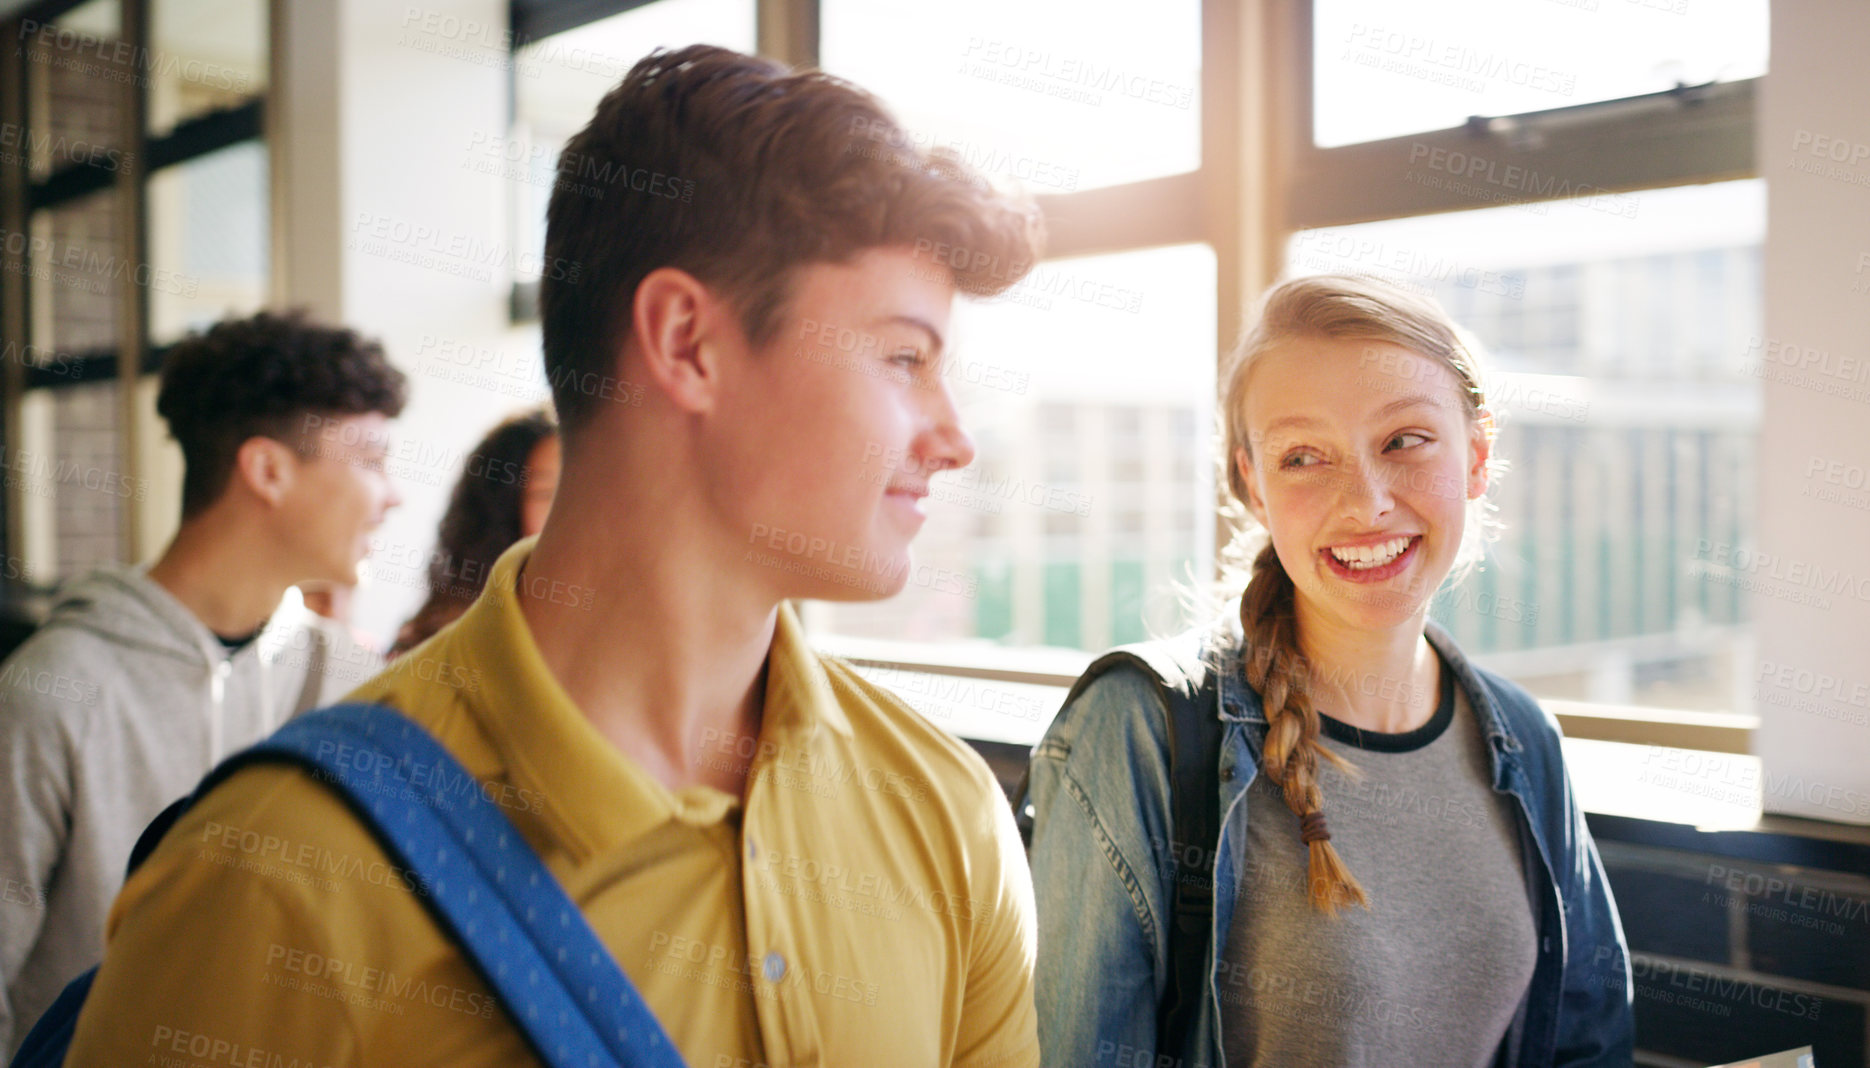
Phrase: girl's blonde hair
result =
(1323, 306)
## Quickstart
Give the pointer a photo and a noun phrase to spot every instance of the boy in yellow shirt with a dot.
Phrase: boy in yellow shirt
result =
(791, 866)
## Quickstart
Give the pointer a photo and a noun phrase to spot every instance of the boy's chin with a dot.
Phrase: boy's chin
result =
(857, 588)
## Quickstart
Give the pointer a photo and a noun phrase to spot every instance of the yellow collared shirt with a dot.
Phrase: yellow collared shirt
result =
(869, 906)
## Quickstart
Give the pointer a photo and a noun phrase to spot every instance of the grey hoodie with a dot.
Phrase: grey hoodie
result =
(117, 706)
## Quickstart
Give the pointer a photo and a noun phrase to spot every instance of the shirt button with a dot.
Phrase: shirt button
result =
(753, 851)
(773, 967)
(1227, 774)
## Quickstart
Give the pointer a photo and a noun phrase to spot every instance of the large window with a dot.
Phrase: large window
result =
(134, 135)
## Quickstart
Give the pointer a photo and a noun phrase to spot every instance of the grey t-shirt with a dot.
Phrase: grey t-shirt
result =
(1434, 972)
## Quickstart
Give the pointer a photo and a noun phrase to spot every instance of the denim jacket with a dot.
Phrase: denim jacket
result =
(1104, 871)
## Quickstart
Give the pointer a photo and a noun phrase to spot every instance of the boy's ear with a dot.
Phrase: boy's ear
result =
(267, 468)
(679, 326)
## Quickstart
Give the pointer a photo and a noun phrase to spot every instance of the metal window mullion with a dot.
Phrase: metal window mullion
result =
(788, 31)
(273, 103)
(133, 299)
(1146, 214)
(15, 333)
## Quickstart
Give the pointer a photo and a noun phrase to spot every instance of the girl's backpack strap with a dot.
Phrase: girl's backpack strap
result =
(1191, 696)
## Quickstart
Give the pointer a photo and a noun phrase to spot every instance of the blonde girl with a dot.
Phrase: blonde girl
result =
(1401, 875)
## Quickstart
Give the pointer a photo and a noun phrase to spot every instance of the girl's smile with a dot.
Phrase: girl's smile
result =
(1372, 562)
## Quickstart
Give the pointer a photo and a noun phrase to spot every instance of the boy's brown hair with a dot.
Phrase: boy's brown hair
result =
(738, 171)
(264, 376)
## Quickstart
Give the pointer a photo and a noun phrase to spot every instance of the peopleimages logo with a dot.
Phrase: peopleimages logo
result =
(1400, 265)
(370, 979)
(1068, 77)
(1472, 166)
(89, 269)
(1807, 367)
(1836, 149)
(1726, 558)
(1449, 63)
(121, 61)
(905, 147)
(171, 1048)
(57, 148)
(427, 246)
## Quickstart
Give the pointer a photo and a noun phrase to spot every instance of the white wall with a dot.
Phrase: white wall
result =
(1811, 579)
(391, 110)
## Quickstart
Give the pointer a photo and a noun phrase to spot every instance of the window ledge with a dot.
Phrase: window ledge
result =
(1714, 732)
(1026, 686)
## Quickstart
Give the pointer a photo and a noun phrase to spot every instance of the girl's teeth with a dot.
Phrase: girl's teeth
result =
(1364, 557)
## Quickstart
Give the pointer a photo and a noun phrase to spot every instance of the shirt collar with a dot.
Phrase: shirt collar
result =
(798, 691)
(593, 795)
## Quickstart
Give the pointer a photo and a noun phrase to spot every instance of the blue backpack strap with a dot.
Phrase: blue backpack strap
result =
(486, 886)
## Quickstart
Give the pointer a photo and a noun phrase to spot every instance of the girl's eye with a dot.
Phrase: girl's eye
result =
(1297, 459)
(1408, 439)
(910, 358)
